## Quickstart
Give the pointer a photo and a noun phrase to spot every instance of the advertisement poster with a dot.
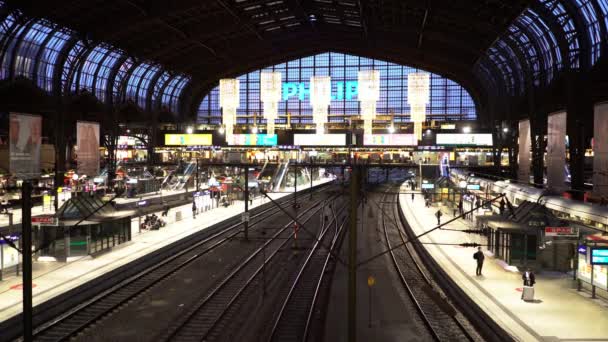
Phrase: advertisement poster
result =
(525, 143)
(188, 139)
(254, 140)
(24, 150)
(390, 140)
(87, 138)
(319, 139)
(600, 150)
(556, 151)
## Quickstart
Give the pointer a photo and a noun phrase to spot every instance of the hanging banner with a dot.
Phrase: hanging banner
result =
(523, 163)
(556, 151)
(24, 151)
(600, 150)
(87, 138)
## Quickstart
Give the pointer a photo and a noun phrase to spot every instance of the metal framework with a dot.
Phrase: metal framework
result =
(192, 44)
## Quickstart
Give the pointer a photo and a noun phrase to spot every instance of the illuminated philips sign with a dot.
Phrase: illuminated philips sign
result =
(339, 90)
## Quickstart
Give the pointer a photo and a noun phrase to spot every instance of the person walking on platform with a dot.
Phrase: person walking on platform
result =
(412, 197)
(501, 208)
(438, 214)
(479, 256)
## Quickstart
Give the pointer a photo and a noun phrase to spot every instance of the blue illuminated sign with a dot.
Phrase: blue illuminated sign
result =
(582, 249)
(339, 90)
(599, 256)
(428, 186)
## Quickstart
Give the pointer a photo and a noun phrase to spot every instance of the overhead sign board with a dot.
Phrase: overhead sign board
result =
(473, 187)
(599, 256)
(464, 139)
(46, 220)
(448, 126)
(561, 231)
(188, 139)
(390, 140)
(254, 140)
(319, 139)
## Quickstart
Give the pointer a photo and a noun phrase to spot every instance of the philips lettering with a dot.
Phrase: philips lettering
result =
(339, 90)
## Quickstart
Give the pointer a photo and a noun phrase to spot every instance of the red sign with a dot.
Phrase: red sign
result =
(46, 220)
(561, 231)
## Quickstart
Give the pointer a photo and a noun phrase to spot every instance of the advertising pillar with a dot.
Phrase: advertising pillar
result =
(523, 161)
(556, 151)
(600, 149)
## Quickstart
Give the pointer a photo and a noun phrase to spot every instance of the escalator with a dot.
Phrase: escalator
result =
(177, 180)
(277, 180)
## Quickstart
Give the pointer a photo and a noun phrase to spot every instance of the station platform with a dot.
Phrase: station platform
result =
(558, 313)
(51, 279)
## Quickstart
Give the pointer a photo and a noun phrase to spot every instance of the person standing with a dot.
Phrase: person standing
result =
(438, 215)
(412, 197)
(479, 256)
(528, 278)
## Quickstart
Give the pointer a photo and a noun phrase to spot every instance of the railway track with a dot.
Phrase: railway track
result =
(77, 319)
(438, 315)
(294, 320)
(205, 320)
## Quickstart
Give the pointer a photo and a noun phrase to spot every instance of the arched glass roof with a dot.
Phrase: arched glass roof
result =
(58, 61)
(448, 99)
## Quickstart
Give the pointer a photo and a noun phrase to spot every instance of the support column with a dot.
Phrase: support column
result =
(600, 150)
(523, 162)
(352, 254)
(556, 151)
(537, 140)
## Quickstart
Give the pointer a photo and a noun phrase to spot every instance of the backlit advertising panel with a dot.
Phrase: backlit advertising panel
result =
(464, 139)
(254, 140)
(24, 145)
(390, 140)
(188, 139)
(319, 139)
(87, 137)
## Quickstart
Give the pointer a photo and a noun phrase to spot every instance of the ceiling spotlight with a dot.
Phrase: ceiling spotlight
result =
(189, 130)
(254, 129)
(506, 129)
(391, 129)
(466, 129)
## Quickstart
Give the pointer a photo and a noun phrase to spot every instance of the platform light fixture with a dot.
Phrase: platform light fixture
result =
(418, 94)
(229, 101)
(320, 99)
(505, 130)
(466, 129)
(189, 130)
(391, 129)
(254, 129)
(221, 130)
(369, 94)
(270, 95)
